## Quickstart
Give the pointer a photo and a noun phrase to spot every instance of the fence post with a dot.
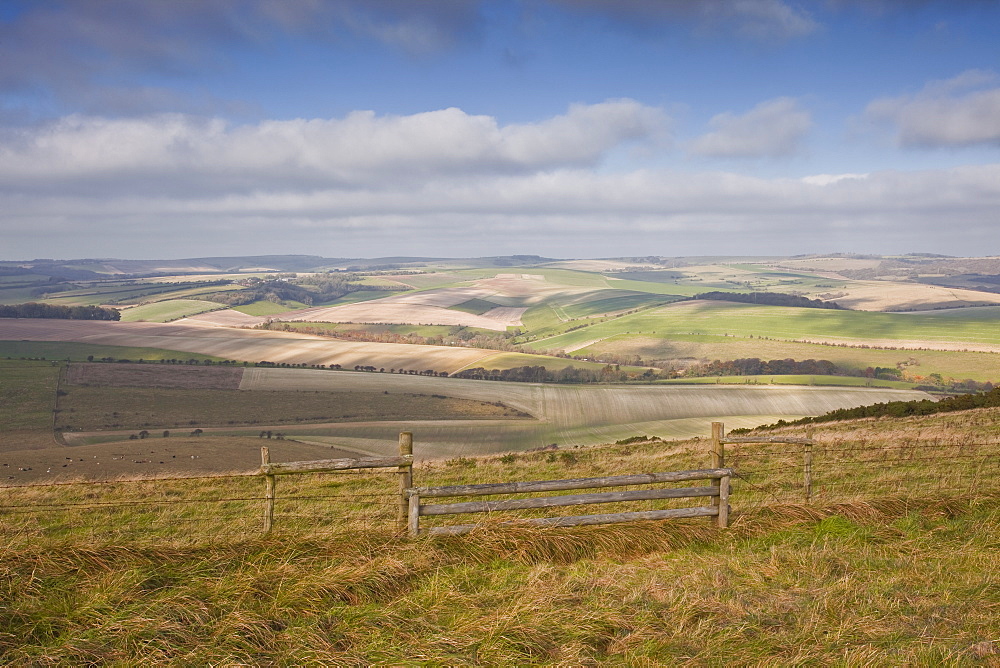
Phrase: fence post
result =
(405, 479)
(807, 466)
(413, 521)
(265, 458)
(718, 459)
(724, 502)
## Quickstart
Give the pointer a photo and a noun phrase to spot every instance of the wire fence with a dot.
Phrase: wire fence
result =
(843, 471)
(198, 509)
(232, 507)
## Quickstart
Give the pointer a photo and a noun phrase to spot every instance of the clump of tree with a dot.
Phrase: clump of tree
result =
(752, 366)
(36, 310)
(768, 299)
(457, 335)
(540, 374)
(317, 289)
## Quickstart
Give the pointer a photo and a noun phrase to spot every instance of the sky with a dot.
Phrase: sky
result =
(156, 129)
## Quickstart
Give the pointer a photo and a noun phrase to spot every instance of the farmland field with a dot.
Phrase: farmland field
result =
(262, 345)
(966, 331)
(580, 307)
(265, 307)
(104, 408)
(568, 414)
(168, 310)
(363, 412)
(27, 397)
(79, 352)
(178, 455)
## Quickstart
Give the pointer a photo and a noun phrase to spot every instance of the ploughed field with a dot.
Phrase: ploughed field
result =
(361, 412)
(566, 415)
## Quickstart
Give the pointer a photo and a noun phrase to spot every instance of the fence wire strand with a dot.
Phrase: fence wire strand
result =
(762, 476)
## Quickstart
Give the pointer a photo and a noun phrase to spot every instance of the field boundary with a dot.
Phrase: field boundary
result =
(800, 474)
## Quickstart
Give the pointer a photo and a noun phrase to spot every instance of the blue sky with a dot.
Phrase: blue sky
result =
(567, 128)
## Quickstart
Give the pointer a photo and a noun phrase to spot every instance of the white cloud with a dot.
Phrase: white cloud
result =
(962, 111)
(774, 128)
(359, 148)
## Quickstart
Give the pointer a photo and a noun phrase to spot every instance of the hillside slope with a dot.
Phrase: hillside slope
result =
(866, 576)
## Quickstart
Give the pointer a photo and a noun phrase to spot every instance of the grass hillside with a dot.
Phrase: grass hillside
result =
(892, 563)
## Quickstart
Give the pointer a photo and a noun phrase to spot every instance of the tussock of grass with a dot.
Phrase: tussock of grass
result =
(856, 583)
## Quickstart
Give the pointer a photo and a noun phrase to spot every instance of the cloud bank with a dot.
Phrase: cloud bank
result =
(449, 183)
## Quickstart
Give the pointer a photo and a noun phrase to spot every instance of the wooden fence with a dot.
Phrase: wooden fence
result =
(718, 492)
(410, 508)
(403, 465)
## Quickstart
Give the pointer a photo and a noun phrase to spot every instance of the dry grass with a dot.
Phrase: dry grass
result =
(175, 571)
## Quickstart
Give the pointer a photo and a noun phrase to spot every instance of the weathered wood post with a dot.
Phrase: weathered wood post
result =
(723, 502)
(718, 455)
(265, 459)
(413, 523)
(405, 479)
(807, 466)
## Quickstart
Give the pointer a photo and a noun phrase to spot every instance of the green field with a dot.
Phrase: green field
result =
(168, 310)
(265, 307)
(950, 364)
(476, 306)
(727, 318)
(419, 330)
(361, 296)
(613, 302)
(27, 394)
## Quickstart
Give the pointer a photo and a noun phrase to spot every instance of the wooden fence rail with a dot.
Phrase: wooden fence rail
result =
(718, 493)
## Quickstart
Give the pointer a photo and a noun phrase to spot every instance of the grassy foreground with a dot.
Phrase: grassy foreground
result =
(852, 586)
(878, 570)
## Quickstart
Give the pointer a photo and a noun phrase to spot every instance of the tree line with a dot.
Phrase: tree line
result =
(36, 310)
(898, 409)
(752, 366)
(768, 299)
(540, 374)
(309, 290)
(457, 335)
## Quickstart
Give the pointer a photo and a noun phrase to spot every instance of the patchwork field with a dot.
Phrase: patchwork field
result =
(364, 412)
(618, 310)
(167, 311)
(566, 414)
